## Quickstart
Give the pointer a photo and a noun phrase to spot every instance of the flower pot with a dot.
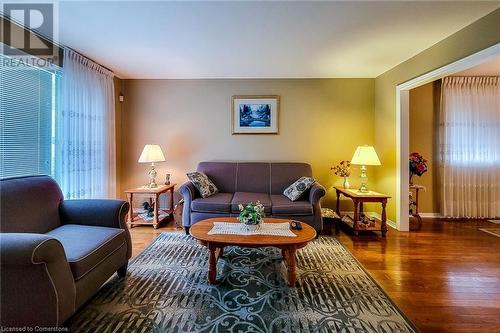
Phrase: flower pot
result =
(346, 183)
(252, 227)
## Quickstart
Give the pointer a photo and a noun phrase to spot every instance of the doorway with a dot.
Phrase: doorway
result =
(403, 124)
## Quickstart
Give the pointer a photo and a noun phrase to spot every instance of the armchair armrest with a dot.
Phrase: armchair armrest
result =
(316, 193)
(37, 286)
(28, 249)
(95, 212)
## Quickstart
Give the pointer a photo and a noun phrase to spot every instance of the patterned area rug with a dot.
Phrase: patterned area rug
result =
(494, 232)
(166, 290)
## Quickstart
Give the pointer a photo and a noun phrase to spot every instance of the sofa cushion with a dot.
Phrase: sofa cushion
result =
(217, 203)
(222, 174)
(283, 174)
(244, 198)
(202, 183)
(297, 189)
(253, 177)
(284, 206)
(87, 246)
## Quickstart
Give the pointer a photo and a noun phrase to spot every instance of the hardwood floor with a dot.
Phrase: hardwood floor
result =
(445, 277)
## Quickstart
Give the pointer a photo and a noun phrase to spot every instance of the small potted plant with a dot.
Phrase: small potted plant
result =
(343, 169)
(251, 215)
(418, 165)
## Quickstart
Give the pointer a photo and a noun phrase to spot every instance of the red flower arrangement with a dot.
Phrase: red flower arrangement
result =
(418, 165)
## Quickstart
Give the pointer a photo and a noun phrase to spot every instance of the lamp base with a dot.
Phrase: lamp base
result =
(363, 189)
(364, 180)
(152, 177)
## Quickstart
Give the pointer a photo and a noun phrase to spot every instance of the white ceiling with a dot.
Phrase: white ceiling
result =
(488, 68)
(259, 39)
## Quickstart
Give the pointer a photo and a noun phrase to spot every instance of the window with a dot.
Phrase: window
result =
(27, 110)
(470, 121)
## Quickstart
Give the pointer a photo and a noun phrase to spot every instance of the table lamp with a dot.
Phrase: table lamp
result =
(364, 155)
(152, 154)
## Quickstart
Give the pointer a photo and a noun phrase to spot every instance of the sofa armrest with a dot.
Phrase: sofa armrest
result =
(316, 193)
(97, 212)
(188, 192)
(37, 286)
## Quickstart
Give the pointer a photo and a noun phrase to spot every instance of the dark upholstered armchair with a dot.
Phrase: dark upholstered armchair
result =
(55, 253)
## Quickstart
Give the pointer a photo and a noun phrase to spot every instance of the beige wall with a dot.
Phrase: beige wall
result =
(321, 122)
(424, 122)
(118, 85)
(473, 38)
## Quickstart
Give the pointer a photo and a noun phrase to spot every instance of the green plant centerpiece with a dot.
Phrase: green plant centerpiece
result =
(251, 215)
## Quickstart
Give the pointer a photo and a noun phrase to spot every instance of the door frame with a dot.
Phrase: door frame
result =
(403, 123)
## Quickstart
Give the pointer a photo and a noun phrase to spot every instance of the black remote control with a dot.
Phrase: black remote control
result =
(296, 225)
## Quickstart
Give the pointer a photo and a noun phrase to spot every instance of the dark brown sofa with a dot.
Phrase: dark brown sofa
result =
(244, 182)
(55, 253)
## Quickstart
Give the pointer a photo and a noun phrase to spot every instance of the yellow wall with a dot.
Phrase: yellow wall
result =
(473, 38)
(424, 122)
(321, 121)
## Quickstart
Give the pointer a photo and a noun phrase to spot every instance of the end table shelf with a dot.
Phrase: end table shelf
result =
(359, 198)
(154, 195)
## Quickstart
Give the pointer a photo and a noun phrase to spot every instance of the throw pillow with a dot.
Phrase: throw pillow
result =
(295, 191)
(202, 183)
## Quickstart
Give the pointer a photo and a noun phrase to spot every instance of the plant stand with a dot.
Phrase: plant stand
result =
(414, 202)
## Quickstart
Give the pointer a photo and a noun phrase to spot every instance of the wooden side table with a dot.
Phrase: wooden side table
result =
(154, 195)
(358, 198)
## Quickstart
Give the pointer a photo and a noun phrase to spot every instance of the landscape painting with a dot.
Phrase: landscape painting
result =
(255, 114)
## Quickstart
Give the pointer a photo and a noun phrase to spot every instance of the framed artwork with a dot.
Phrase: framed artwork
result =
(255, 114)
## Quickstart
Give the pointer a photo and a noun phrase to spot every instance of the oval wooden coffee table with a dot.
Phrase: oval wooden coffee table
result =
(216, 243)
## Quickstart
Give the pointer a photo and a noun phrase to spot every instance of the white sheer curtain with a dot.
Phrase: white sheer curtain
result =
(85, 133)
(470, 147)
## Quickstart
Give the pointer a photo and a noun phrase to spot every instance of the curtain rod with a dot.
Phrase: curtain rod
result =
(57, 44)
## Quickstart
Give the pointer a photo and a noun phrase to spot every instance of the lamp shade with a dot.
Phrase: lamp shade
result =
(151, 154)
(365, 155)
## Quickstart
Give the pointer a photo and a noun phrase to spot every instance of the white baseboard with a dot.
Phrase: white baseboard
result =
(390, 223)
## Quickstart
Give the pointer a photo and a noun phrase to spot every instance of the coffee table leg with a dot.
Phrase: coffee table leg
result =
(212, 264)
(219, 252)
(291, 266)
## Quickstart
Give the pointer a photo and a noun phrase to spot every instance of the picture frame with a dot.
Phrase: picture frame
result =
(255, 114)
